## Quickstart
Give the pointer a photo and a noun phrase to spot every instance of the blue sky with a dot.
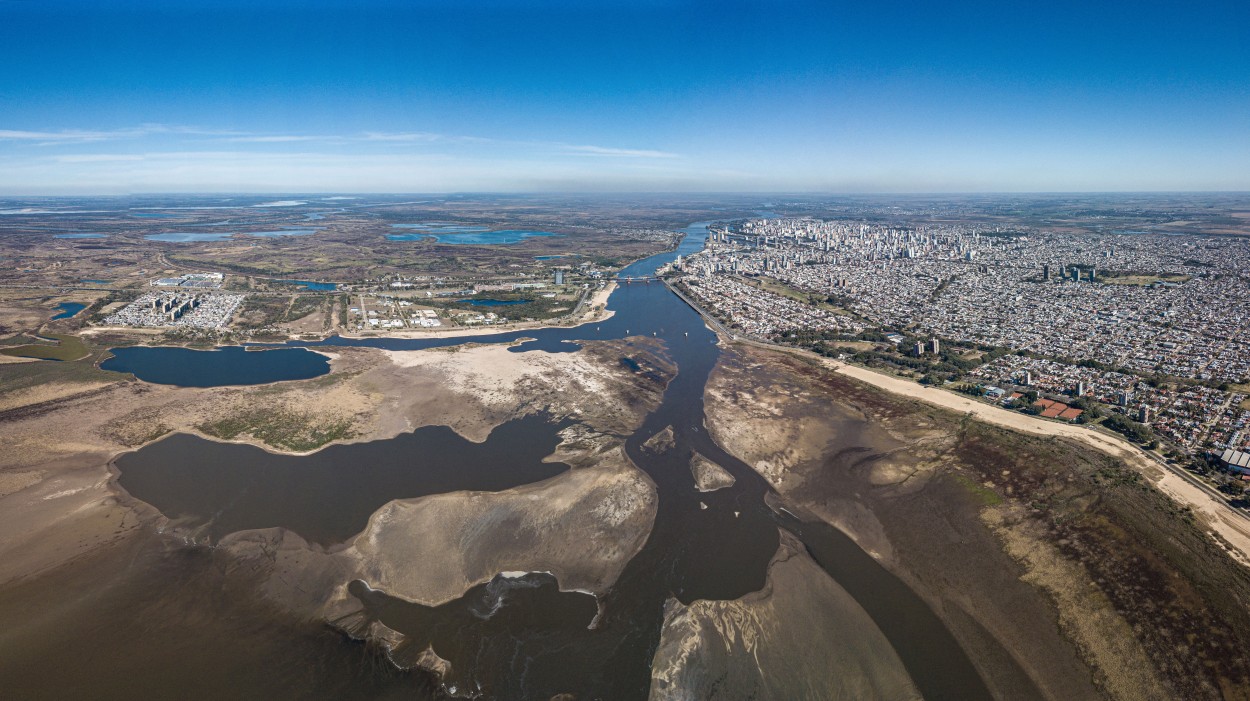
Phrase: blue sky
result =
(424, 96)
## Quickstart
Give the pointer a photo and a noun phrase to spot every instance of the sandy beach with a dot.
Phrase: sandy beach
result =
(1231, 527)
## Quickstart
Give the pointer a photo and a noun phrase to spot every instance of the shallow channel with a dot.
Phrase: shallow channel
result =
(520, 637)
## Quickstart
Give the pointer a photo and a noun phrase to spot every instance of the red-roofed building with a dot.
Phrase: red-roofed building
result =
(1054, 410)
(1058, 410)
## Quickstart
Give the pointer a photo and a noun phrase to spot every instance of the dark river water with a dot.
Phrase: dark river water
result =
(220, 488)
(231, 365)
(520, 637)
(68, 309)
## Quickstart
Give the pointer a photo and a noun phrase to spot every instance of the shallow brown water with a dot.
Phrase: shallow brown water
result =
(213, 489)
(150, 618)
(510, 638)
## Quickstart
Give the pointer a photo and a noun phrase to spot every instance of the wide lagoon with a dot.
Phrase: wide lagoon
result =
(231, 365)
(464, 234)
(309, 285)
(68, 309)
(187, 237)
(218, 489)
(496, 302)
(282, 232)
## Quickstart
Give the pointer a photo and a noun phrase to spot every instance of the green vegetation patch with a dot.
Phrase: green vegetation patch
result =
(984, 495)
(530, 305)
(1138, 433)
(20, 339)
(281, 428)
(94, 312)
(259, 312)
(136, 428)
(1241, 389)
(1149, 556)
(830, 303)
(15, 377)
(305, 305)
(65, 348)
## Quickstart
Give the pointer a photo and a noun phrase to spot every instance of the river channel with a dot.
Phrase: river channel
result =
(520, 636)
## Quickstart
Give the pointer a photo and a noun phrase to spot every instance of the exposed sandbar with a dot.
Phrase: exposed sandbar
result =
(801, 637)
(583, 527)
(708, 476)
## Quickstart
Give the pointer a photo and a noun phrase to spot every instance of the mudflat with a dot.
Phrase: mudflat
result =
(1055, 568)
(58, 492)
(1062, 572)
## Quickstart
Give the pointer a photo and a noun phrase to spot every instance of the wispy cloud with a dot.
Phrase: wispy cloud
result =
(395, 170)
(98, 157)
(73, 136)
(88, 135)
(427, 137)
(69, 135)
(617, 152)
(160, 157)
(280, 138)
(408, 136)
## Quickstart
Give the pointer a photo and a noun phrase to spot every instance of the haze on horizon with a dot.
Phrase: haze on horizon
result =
(504, 95)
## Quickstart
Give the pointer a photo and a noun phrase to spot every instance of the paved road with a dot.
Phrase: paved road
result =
(708, 318)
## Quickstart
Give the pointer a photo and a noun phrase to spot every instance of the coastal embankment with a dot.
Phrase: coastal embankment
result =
(1022, 541)
(1228, 523)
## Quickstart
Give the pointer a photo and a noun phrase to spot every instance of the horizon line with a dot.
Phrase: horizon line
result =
(771, 193)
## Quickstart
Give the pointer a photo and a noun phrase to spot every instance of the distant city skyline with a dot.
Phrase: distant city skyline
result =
(437, 96)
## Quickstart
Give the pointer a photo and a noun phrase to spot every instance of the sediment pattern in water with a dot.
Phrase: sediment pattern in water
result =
(521, 637)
